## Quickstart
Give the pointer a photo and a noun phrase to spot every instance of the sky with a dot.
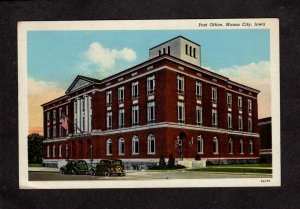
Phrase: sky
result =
(55, 58)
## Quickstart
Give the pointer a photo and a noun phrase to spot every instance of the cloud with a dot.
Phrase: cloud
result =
(106, 57)
(256, 75)
(40, 92)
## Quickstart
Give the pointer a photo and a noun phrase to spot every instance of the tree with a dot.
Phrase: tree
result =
(171, 162)
(35, 151)
(162, 162)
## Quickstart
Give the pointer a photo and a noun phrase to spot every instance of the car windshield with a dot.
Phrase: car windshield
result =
(81, 162)
(117, 162)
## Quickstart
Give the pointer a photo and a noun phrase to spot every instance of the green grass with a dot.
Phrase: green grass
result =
(243, 166)
(233, 170)
(35, 165)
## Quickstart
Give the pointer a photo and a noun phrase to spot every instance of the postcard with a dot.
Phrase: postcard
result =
(149, 103)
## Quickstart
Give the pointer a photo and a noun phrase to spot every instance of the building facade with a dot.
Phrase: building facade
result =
(166, 105)
(265, 132)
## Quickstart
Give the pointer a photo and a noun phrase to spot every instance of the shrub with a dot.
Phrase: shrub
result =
(171, 161)
(162, 162)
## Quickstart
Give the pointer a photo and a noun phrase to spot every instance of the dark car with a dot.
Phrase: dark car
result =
(109, 167)
(75, 167)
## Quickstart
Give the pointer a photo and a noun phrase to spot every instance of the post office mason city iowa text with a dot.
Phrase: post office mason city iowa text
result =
(166, 105)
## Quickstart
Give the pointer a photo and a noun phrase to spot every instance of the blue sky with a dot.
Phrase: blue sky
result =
(59, 56)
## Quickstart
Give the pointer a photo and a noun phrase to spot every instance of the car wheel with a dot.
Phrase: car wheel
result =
(62, 171)
(106, 172)
(93, 172)
(73, 171)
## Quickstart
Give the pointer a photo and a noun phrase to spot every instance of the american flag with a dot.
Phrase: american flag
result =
(64, 122)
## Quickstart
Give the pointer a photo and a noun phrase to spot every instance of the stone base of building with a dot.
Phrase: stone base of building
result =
(231, 161)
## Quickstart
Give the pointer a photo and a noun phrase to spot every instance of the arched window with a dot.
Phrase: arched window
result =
(151, 144)
(241, 147)
(53, 151)
(200, 144)
(230, 146)
(215, 145)
(59, 151)
(121, 146)
(135, 145)
(186, 49)
(108, 147)
(194, 52)
(48, 151)
(251, 147)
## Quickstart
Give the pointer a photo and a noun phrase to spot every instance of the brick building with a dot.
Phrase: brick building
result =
(265, 132)
(166, 105)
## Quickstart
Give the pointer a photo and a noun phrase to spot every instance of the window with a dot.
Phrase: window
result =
(60, 113)
(135, 145)
(48, 132)
(180, 84)
(241, 147)
(135, 90)
(108, 147)
(48, 118)
(108, 98)
(214, 95)
(168, 49)
(150, 84)
(240, 123)
(159, 52)
(194, 53)
(151, 112)
(121, 94)
(54, 131)
(59, 151)
(214, 118)
(60, 130)
(229, 99)
(199, 115)
(48, 151)
(135, 115)
(215, 146)
(164, 50)
(190, 51)
(186, 49)
(54, 116)
(251, 147)
(151, 144)
(109, 120)
(229, 121)
(198, 89)
(83, 104)
(180, 113)
(240, 102)
(121, 146)
(53, 151)
(121, 118)
(249, 105)
(67, 151)
(200, 144)
(67, 110)
(230, 146)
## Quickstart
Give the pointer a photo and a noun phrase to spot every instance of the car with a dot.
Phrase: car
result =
(75, 167)
(109, 167)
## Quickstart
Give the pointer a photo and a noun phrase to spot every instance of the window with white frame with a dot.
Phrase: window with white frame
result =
(198, 89)
(230, 146)
(109, 120)
(215, 145)
(229, 121)
(151, 84)
(251, 148)
(135, 90)
(53, 151)
(186, 49)
(180, 112)
(60, 113)
(54, 131)
(59, 151)
(214, 94)
(48, 118)
(108, 98)
(240, 102)
(151, 112)
(121, 92)
(241, 146)
(67, 151)
(135, 115)
(135, 145)
(180, 84)
(48, 151)
(240, 123)
(249, 105)
(250, 124)
(214, 118)
(108, 147)
(151, 144)
(54, 116)
(198, 115)
(229, 99)
(200, 144)
(121, 146)
(48, 132)
(121, 118)
(60, 130)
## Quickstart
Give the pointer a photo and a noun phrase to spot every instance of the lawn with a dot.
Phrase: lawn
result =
(35, 165)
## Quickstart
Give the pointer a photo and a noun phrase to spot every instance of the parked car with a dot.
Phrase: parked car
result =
(109, 167)
(75, 167)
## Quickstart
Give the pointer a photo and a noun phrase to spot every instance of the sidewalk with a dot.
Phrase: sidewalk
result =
(42, 169)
